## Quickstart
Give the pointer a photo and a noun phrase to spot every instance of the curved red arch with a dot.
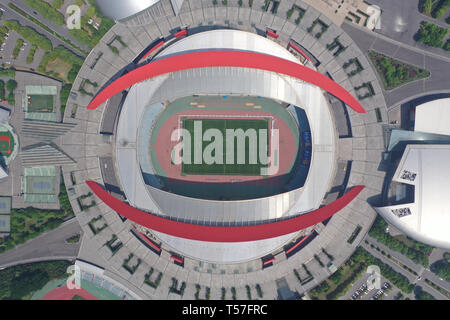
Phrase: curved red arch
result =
(223, 234)
(225, 58)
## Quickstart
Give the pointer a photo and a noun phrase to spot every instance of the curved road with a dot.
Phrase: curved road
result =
(438, 65)
(47, 246)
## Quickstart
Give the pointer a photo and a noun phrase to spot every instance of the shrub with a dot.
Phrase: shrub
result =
(431, 34)
(46, 11)
(442, 269)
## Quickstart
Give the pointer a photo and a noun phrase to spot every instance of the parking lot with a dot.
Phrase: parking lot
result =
(8, 43)
(359, 290)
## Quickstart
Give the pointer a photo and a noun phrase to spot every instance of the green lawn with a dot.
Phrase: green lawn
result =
(245, 169)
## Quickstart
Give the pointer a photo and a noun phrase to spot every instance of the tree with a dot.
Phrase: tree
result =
(11, 85)
(442, 269)
(427, 7)
(28, 282)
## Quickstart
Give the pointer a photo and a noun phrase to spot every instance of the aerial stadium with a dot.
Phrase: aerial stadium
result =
(231, 151)
(266, 114)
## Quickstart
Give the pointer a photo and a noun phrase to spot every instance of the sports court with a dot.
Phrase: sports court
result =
(222, 124)
(40, 103)
(6, 143)
(39, 185)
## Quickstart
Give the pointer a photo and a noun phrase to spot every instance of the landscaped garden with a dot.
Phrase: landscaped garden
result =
(90, 34)
(432, 35)
(394, 73)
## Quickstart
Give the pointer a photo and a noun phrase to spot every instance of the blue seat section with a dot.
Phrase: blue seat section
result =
(303, 160)
(149, 118)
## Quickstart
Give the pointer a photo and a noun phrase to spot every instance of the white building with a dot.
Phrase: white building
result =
(426, 168)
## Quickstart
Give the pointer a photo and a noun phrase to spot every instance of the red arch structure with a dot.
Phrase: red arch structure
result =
(220, 233)
(225, 58)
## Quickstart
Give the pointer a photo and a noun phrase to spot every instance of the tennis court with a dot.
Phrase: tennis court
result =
(41, 103)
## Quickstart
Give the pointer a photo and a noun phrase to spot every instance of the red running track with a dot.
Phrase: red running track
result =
(64, 293)
(223, 234)
(225, 58)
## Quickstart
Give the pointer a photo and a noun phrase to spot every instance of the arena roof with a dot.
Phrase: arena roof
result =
(120, 9)
(428, 217)
(433, 117)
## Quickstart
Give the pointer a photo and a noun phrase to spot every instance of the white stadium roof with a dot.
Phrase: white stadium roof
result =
(226, 80)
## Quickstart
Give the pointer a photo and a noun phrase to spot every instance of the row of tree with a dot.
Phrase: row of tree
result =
(47, 11)
(437, 10)
(19, 281)
(417, 253)
(397, 279)
(442, 269)
(29, 34)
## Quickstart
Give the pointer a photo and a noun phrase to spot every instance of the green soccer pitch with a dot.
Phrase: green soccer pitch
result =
(40, 103)
(222, 125)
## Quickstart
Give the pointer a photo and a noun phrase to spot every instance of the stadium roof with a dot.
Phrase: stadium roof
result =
(427, 219)
(234, 63)
(120, 9)
(226, 81)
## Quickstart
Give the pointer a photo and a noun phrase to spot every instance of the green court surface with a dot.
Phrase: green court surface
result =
(100, 293)
(41, 185)
(6, 143)
(53, 284)
(247, 168)
(41, 103)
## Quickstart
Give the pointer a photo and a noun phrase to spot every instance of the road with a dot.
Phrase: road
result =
(419, 269)
(388, 295)
(401, 19)
(47, 246)
(10, 14)
(438, 65)
(411, 277)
